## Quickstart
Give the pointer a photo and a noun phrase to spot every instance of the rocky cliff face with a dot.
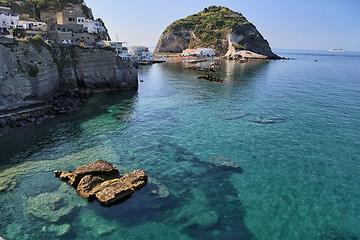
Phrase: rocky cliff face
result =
(219, 28)
(40, 72)
(33, 74)
(27, 73)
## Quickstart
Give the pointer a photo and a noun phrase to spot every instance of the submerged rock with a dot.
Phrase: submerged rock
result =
(59, 230)
(162, 191)
(102, 180)
(268, 120)
(222, 161)
(49, 206)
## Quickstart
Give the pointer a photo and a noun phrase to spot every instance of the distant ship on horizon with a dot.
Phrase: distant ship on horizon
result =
(336, 50)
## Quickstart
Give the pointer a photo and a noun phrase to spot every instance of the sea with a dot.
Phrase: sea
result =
(272, 152)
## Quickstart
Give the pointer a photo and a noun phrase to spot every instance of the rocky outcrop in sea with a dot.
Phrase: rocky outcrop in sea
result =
(102, 180)
(219, 28)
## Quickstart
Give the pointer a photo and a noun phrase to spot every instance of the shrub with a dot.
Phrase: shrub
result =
(33, 70)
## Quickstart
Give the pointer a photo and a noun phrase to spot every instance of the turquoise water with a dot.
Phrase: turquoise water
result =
(273, 152)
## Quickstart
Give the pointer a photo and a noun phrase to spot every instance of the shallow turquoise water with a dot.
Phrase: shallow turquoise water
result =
(291, 127)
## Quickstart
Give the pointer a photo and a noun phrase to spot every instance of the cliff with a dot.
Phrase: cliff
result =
(220, 28)
(32, 73)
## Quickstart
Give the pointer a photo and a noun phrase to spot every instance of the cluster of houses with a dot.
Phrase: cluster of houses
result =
(68, 27)
(199, 52)
(72, 27)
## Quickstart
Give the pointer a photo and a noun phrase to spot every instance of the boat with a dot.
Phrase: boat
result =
(336, 50)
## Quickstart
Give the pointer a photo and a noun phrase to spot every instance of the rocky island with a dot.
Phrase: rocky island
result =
(229, 33)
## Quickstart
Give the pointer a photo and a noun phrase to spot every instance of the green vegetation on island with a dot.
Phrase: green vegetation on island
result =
(210, 25)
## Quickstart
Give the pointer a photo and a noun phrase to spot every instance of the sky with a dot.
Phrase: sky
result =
(286, 24)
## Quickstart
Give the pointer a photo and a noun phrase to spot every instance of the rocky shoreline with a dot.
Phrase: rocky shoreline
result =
(39, 81)
(36, 111)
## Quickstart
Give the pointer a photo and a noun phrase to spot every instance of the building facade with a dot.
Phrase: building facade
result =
(36, 26)
(7, 20)
(140, 53)
(121, 49)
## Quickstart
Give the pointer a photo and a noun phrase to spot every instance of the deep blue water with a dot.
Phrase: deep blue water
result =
(273, 152)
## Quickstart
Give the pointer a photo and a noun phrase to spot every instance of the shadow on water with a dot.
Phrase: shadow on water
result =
(63, 128)
(203, 202)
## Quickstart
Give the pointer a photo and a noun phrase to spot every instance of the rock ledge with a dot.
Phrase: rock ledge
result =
(102, 180)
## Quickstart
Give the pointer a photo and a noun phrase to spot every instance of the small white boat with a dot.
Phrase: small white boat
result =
(336, 50)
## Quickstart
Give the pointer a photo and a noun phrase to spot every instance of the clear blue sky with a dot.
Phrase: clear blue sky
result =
(286, 24)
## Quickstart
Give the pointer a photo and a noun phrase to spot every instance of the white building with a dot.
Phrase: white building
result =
(36, 26)
(93, 26)
(140, 53)
(80, 20)
(7, 20)
(206, 52)
(120, 48)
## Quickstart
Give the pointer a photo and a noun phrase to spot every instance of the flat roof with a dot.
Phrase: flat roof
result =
(7, 8)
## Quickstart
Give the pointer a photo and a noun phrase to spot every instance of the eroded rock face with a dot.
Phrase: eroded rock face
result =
(102, 180)
(89, 186)
(113, 190)
(175, 41)
(98, 168)
(136, 179)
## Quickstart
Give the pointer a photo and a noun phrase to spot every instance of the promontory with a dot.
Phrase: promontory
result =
(229, 33)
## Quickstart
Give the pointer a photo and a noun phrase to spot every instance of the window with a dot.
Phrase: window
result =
(71, 19)
(58, 29)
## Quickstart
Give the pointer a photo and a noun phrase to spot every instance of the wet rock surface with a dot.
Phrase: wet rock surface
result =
(35, 112)
(201, 69)
(211, 78)
(102, 180)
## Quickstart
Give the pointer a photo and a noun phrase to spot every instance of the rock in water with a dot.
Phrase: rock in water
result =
(220, 28)
(114, 190)
(137, 179)
(99, 168)
(102, 180)
(89, 186)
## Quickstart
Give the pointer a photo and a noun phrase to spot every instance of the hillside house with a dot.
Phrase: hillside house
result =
(93, 26)
(121, 49)
(35, 26)
(7, 20)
